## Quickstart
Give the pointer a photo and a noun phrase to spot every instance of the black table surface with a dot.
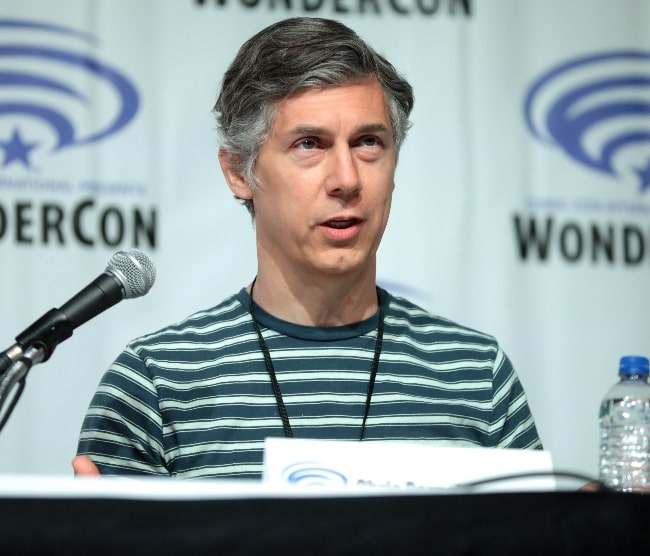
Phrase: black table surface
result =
(502, 523)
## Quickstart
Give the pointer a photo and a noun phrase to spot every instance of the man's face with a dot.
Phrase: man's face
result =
(327, 177)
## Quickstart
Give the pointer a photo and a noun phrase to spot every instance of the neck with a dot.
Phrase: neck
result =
(333, 303)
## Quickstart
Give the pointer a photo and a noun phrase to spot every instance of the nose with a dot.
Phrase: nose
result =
(344, 174)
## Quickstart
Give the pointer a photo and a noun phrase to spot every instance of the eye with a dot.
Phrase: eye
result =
(306, 144)
(369, 141)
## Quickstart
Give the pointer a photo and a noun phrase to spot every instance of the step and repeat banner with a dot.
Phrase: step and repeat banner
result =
(522, 205)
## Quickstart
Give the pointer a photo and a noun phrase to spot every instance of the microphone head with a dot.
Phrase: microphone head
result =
(134, 270)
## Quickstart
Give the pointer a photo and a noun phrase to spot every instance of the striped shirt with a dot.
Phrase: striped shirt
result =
(195, 398)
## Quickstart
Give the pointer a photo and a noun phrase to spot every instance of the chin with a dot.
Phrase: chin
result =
(343, 268)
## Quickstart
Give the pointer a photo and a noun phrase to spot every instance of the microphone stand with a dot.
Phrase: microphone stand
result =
(12, 379)
(9, 357)
(33, 345)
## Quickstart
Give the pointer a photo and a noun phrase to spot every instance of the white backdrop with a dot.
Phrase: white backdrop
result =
(471, 167)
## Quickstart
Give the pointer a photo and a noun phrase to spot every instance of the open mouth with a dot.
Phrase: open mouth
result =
(342, 224)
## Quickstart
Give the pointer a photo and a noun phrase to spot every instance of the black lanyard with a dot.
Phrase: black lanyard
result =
(274, 381)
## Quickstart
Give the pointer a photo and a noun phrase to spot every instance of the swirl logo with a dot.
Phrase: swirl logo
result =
(54, 96)
(596, 109)
(310, 473)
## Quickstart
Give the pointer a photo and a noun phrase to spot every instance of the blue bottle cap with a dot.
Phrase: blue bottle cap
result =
(634, 364)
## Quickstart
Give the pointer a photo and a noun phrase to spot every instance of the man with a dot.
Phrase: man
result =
(311, 121)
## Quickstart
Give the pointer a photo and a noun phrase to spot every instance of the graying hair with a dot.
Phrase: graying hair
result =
(288, 57)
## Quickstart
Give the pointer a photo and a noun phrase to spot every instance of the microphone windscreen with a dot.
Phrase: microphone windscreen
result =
(134, 270)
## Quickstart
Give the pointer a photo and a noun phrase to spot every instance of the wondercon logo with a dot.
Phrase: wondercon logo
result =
(53, 94)
(596, 109)
(309, 473)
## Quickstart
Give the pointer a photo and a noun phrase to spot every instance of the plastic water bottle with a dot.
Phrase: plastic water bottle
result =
(625, 429)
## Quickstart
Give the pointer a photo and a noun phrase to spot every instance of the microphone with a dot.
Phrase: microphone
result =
(129, 273)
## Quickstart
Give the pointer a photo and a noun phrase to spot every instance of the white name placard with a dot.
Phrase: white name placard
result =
(404, 466)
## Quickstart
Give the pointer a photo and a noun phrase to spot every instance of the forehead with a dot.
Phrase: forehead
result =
(356, 103)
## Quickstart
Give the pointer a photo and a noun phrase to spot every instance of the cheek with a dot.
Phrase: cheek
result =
(279, 212)
(388, 196)
(386, 204)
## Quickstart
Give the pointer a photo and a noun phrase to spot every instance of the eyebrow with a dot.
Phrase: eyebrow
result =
(318, 130)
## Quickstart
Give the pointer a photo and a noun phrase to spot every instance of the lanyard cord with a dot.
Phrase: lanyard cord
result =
(286, 425)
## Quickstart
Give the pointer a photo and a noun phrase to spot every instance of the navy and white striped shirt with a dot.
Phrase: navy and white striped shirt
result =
(195, 399)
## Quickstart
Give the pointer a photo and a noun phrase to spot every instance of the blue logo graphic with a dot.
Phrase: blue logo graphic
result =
(309, 473)
(597, 110)
(48, 84)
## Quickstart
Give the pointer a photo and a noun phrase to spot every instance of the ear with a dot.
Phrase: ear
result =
(236, 181)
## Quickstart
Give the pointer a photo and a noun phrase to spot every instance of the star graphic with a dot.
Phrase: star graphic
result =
(644, 174)
(16, 149)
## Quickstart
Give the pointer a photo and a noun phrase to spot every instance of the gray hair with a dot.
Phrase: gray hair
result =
(288, 57)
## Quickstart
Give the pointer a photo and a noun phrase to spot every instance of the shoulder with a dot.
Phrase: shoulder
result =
(196, 347)
(406, 317)
(226, 319)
